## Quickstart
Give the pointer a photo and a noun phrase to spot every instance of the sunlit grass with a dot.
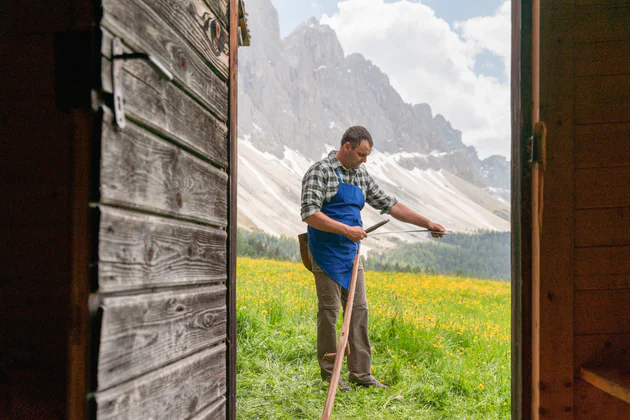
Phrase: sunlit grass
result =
(443, 343)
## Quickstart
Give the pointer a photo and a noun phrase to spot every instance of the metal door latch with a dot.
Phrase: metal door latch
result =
(538, 142)
(118, 57)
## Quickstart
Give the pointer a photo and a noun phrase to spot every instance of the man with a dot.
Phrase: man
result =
(334, 191)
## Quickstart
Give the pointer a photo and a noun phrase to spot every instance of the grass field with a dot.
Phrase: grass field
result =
(443, 343)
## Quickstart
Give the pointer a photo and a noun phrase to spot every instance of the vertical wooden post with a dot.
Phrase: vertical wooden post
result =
(552, 233)
(521, 80)
(232, 211)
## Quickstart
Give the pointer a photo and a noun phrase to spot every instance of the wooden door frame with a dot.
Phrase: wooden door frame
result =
(232, 210)
(521, 237)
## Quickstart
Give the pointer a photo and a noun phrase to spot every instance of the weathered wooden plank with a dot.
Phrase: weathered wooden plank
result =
(175, 392)
(602, 99)
(602, 58)
(190, 20)
(165, 109)
(140, 170)
(196, 22)
(139, 251)
(610, 260)
(602, 145)
(216, 100)
(602, 23)
(220, 10)
(602, 311)
(143, 31)
(597, 227)
(592, 403)
(215, 411)
(602, 350)
(602, 187)
(141, 333)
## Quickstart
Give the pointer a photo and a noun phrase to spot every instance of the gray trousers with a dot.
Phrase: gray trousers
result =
(331, 297)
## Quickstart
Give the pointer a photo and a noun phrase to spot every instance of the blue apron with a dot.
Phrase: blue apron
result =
(334, 253)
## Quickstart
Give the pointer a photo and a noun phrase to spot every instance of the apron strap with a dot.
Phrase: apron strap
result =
(338, 176)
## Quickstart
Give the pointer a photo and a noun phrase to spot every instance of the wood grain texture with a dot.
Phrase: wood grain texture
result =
(602, 145)
(602, 187)
(612, 350)
(165, 109)
(143, 31)
(216, 410)
(602, 311)
(141, 333)
(177, 391)
(220, 8)
(190, 20)
(602, 99)
(138, 251)
(599, 227)
(140, 170)
(592, 403)
(602, 58)
(215, 99)
(196, 23)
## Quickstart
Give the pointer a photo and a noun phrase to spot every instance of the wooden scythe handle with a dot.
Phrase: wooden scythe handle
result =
(343, 340)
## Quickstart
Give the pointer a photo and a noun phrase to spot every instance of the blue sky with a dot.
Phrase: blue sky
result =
(294, 12)
(452, 54)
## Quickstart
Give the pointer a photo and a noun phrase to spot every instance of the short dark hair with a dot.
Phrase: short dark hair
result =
(355, 135)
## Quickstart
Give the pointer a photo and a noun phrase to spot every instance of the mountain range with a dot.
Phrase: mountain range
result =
(297, 96)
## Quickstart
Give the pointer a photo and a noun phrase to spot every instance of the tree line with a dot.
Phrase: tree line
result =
(483, 254)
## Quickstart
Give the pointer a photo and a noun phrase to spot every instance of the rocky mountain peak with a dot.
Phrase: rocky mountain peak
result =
(312, 45)
(302, 92)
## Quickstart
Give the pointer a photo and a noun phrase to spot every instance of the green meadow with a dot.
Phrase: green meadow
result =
(441, 342)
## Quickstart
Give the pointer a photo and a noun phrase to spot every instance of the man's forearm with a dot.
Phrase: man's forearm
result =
(322, 222)
(403, 213)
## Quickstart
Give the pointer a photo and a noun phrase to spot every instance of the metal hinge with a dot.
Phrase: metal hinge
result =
(118, 57)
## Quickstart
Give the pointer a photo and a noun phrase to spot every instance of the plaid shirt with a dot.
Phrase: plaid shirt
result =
(320, 183)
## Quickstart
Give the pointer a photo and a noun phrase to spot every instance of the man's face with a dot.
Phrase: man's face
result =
(355, 157)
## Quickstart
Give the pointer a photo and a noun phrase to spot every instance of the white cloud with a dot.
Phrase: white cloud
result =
(428, 61)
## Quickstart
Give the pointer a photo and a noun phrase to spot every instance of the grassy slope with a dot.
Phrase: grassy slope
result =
(443, 343)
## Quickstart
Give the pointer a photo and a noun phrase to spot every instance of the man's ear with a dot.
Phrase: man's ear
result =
(347, 146)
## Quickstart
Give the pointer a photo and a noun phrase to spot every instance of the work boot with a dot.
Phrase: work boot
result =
(372, 382)
(342, 386)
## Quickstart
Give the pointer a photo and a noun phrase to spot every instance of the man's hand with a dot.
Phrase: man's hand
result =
(435, 227)
(355, 233)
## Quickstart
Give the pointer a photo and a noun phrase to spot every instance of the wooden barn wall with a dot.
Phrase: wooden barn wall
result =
(45, 130)
(114, 277)
(602, 199)
(160, 212)
(585, 267)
